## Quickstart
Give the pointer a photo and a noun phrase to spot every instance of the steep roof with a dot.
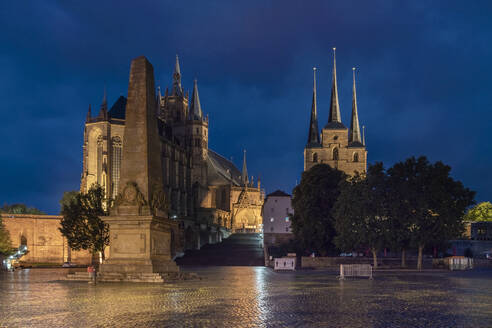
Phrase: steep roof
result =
(278, 193)
(118, 108)
(222, 171)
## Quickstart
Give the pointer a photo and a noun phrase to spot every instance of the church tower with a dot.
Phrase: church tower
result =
(339, 147)
(197, 127)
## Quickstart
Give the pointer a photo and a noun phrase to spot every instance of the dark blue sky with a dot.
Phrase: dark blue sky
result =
(424, 80)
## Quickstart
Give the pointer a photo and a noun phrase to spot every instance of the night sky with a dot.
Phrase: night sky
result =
(424, 79)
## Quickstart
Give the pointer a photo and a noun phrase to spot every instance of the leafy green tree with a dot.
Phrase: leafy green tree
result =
(361, 212)
(5, 242)
(480, 212)
(433, 202)
(313, 200)
(19, 209)
(82, 224)
(67, 198)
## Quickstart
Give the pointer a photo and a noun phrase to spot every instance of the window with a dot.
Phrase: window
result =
(197, 142)
(315, 158)
(286, 219)
(335, 154)
(286, 229)
(99, 159)
(272, 219)
(271, 229)
(115, 164)
(356, 157)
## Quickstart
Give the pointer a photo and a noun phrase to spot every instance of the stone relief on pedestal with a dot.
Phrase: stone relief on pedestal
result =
(129, 201)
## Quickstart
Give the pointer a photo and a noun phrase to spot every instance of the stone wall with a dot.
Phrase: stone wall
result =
(44, 241)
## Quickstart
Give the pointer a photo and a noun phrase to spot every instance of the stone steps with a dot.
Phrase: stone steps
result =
(134, 277)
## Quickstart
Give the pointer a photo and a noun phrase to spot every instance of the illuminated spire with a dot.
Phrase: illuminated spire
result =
(89, 114)
(313, 135)
(103, 112)
(245, 171)
(177, 90)
(195, 108)
(354, 132)
(334, 118)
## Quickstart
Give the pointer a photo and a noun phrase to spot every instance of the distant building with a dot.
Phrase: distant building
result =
(276, 223)
(481, 230)
(341, 148)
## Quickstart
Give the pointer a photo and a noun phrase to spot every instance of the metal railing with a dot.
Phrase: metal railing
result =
(355, 270)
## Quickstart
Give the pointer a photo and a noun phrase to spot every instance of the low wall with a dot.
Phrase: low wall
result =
(44, 241)
(308, 262)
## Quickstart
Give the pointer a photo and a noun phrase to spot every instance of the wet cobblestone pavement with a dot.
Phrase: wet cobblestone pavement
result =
(250, 297)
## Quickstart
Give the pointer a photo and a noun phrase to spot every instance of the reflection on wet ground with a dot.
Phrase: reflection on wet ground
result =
(250, 297)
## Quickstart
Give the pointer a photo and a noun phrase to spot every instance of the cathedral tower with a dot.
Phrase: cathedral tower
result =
(339, 147)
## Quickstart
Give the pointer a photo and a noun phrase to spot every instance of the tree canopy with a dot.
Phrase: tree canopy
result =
(5, 242)
(431, 200)
(480, 212)
(360, 212)
(313, 200)
(82, 224)
(19, 209)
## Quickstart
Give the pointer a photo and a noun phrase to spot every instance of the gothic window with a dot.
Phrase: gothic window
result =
(197, 142)
(223, 198)
(356, 157)
(315, 158)
(335, 154)
(99, 159)
(116, 147)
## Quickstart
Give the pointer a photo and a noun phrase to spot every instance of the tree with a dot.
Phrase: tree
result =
(313, 200)
(480, 212)
(361, 212)
(5, 242)
(432, 202)
(19, 209)
(82, 224)
(67, 198)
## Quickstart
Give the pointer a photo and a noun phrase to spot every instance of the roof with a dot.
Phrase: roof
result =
(278, 193)
(222, 171)
(118, 109)
(355, 144)
(335, 126)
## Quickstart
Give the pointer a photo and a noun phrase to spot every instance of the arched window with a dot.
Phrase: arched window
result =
(315, 158)
(115, 164)
(99, 160)
(335, 154)
(356, 157)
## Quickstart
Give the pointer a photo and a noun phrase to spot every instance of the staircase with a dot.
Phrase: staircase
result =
(240, 249)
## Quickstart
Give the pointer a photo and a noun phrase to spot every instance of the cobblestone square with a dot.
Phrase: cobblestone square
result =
(250, 297)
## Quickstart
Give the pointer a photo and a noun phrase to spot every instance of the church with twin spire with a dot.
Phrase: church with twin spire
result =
(206, 192)
(341, 148)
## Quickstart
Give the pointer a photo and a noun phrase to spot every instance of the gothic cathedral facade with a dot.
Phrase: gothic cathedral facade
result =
(337, 146)
(205, 190)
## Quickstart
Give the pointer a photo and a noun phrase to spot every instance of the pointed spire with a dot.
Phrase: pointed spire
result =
(245, 170)
(177, 90)
(89, 114)
(364, 135)
(334, 116)
(313, 136)
(195, 108)
(354, 132)
(103, 112)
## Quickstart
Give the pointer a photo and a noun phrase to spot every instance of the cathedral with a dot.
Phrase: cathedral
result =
(337, 146)
(207, 194)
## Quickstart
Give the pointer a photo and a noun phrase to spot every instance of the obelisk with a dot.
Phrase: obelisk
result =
(140, 232)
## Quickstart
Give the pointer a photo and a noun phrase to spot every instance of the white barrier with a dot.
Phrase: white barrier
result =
(355, 270)
(460, 263)
(285, 263)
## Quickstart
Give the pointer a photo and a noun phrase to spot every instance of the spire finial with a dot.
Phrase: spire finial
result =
(354, 133)
(103, 112)
(364, 135)
(334, 116)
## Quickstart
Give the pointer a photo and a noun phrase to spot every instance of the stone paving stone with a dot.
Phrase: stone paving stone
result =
(249, 297)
